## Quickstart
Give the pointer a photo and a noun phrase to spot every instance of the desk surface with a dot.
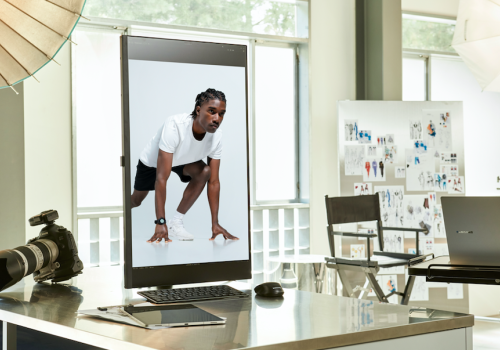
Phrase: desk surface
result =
(311, 321)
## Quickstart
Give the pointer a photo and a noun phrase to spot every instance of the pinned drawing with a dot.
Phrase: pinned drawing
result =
(365, 136)
(420, 146)
(374, 169)
(455, 291)
(399, 172)
(371, 151)
(391, 154)
(450, 170)
(456, 185)
(389, 284)
(362, 189)
(354, 160)
(351, 130)
(415, 130)
(438, 224)
(391, 205)
(420, 291)
(358, 251)
(390, 139)
(437, 133)
(440, 182)
(418, 213)
(448, 158)
(393, 242)
(381, 141)
(420, 170)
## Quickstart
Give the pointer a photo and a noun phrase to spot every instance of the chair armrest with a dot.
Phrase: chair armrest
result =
(406, 229)
(355, 234)
(419, 259)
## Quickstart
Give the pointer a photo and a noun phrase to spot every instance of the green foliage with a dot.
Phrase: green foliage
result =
(259, 16)
(427, 35)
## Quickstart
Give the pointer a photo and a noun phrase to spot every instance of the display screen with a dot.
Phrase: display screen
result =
(186, 147)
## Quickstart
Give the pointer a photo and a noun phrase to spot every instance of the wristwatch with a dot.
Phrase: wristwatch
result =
(160, 221)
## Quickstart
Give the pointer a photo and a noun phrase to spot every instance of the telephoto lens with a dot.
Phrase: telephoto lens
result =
(51, 255)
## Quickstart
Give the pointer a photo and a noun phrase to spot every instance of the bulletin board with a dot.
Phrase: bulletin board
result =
(411, 154)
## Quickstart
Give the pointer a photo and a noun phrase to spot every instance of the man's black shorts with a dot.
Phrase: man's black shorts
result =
(145, 177)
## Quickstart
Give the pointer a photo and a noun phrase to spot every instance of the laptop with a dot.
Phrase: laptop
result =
(473, 230)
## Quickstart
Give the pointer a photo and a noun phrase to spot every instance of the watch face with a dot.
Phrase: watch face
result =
(161, 221)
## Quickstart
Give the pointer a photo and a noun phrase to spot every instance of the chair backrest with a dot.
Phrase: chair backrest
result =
(345, 210)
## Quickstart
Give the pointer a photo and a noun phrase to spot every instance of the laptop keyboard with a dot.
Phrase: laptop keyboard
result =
(181, 295)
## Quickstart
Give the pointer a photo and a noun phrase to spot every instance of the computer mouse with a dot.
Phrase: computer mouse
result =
(269, 289)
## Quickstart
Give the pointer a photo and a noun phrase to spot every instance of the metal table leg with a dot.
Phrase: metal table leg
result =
(319, 270)
(9, 338)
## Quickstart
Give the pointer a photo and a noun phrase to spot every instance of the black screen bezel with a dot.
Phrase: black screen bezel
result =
(181, 51)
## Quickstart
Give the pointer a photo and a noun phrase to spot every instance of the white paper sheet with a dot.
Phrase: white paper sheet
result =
(358, 251)
(390, 139)
(441, 249)
(455, 291)
(371, 151)
(391, 154)
(381, 140)
(363, 189)
(354, 159)
(391, 205)
(456, 184)
(420, 169)
(399, 172)
(437, 129)
(397, 270)
(449, 170)
(418, 212)
(440, 182)
(393, 241)
(415, 130)
(365, 136)
(439, 229)
(420, 290)
(448, 158)
(390, 284)
(351, 129)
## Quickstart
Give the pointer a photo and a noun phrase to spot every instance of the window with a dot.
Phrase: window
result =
(414, 78)
(428, 33)
(275, 17)
(275, 124)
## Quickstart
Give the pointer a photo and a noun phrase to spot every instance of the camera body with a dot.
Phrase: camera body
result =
(67, 263)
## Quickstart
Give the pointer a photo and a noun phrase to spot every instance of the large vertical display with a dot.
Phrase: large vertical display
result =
(411, 154)
(186, 188)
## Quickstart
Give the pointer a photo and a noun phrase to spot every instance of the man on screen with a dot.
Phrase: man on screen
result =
(180, 145)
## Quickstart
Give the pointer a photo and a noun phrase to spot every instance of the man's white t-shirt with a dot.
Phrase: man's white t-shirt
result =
(176, 136)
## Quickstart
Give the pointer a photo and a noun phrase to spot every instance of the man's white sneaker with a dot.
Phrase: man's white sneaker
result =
(176, 230)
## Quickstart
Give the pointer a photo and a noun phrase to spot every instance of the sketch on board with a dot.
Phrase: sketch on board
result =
(399, 172)
(441, 249)
(420, 146)
(374, 169)
(415, 130)
(390, 139)
(381, 141)
(437, 132)
(420, 169)
(354, 159)
(393, 242)
(440, 182)
(418, 213)
(365, 136)
(391, 154)
(420, 291)
(371, 151)
(456, 185)
(351, 129)
(439, 229)
(450, 170)
(391, 205)
(432, 199)
(448, 158)
(390, 284)
(362, 189)
(358, 251)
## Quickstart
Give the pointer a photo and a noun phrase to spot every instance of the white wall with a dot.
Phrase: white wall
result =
(432, 7)
(47, 132)
(332, 78)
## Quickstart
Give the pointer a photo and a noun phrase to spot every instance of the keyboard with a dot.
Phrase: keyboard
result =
(182, 295)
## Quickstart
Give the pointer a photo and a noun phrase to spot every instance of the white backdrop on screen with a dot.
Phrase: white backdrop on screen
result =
(161, 89)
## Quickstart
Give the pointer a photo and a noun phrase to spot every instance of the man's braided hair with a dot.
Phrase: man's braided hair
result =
(205, 96)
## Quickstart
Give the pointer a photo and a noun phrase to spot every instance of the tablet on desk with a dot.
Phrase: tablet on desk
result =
(172, 316)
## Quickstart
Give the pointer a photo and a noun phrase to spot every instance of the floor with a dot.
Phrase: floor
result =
(486, 335)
